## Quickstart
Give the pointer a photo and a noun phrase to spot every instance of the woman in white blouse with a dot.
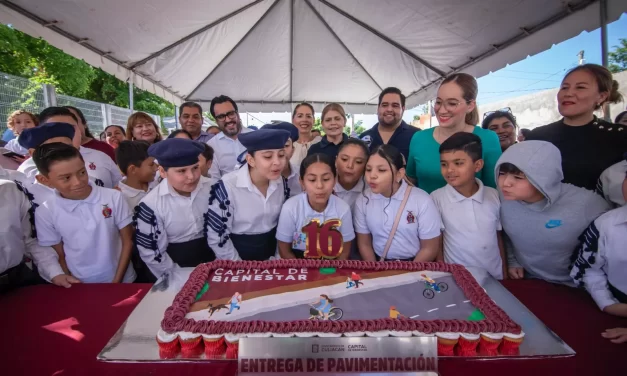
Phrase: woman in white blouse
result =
(393, 220)
(303, 119)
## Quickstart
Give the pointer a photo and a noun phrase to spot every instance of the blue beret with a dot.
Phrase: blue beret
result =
(264, 139)
(176, 152)
(32, 137)
(254, 128)
(285, 126)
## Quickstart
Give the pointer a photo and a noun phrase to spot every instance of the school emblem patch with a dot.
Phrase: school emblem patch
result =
(92, 166)
(410, 217)
(106, 211)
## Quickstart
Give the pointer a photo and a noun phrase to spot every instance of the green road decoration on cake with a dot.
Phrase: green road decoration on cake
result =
(327, 270)
(476, 315)
(204, 289)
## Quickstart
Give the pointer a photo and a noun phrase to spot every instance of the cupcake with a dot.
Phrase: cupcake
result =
(446, 343)
(232, 345)
(190, 341)
(489, 344)
(215, 346)
(511, 343)
(168, 344)
(467, 345)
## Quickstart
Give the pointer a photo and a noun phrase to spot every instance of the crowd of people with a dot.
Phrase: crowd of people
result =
(133, 206)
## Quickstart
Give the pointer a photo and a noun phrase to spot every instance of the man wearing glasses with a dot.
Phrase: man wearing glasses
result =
(225, 144)
(190, 118)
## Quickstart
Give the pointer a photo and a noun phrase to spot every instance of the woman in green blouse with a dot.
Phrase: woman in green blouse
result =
(456, 110)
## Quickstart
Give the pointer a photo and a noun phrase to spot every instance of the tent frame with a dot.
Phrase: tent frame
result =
(131, 67)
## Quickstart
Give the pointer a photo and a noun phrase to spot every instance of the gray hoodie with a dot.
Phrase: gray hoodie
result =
(545, 234)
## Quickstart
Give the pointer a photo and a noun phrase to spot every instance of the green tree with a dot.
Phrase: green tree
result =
(42, 63)
(618, 58)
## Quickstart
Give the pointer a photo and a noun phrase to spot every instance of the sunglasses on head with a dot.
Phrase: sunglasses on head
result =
(504, 109)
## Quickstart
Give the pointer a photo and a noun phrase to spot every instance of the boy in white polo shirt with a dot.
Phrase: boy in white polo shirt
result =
(89, 227)
(139, 171)
(470, 211)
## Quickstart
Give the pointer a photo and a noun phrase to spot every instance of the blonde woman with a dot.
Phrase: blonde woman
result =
(333, 123)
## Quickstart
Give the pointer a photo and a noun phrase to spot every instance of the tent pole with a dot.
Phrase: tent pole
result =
(130, 92)
(603, 9)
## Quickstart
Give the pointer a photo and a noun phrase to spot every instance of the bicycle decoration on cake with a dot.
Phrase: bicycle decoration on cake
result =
(323, 310)
(432, 287)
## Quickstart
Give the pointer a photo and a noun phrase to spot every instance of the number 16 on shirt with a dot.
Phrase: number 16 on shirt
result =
(323, 240)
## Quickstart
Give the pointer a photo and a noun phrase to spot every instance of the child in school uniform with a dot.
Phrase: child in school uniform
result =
(351, 165)
(245, 204)
(471, 221)
(601, 259)
(17, 238)
(205, 160)
(88, 226)
(542, 216)
(170, 220)
(393, 220)
(100, 167)
(291, 169)
(317, 175)
(138, 169)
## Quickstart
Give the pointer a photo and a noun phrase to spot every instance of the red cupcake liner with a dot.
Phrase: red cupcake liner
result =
(510, 346)
(489, 346)
(169, 346)
(215, 348)
(232, 350)
(446, 346)
(466, 347)
(190, 344)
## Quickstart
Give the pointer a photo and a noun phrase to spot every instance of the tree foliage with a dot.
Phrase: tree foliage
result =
(618, 58)
(35, 59)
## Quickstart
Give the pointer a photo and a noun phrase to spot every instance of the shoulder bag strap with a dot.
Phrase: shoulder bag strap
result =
(396, 221)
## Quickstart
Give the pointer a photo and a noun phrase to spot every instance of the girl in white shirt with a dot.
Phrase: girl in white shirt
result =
(291, 169)
(307, 219)
(351, 165)
(417, 236)
(244, 205)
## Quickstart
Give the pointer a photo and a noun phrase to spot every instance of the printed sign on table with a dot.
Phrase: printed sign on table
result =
(342, 355)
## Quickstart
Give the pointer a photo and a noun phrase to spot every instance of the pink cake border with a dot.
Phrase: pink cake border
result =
(496, 320)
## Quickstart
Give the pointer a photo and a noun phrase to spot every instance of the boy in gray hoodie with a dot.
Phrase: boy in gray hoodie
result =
(542, 216)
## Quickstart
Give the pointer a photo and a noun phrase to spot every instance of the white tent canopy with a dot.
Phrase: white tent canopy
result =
(269, 54)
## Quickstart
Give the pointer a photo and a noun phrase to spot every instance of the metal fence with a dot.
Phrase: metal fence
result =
(20, 93)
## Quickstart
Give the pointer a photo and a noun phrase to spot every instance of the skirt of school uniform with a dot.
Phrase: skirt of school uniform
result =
(619, 295)
(191, 253)
(256, 247)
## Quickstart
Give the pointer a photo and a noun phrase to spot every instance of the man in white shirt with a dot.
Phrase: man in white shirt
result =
(225, 144)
